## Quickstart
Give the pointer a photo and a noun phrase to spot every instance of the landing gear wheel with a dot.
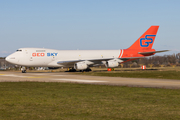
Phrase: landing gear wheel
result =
(23, 71)
(87, 70)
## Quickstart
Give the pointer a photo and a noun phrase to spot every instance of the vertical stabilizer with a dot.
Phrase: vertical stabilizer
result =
(146, 40)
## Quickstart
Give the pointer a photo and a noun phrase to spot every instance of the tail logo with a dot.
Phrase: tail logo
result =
(144, 42)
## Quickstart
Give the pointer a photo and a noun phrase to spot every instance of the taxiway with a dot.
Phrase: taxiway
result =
(6, 76)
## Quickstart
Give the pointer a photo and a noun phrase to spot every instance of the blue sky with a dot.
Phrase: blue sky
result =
(87, 24)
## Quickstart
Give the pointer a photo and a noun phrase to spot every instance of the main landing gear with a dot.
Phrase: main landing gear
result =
(74, 70)
(71, 70)
(87, 70)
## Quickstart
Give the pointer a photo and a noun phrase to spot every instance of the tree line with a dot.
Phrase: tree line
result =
(156, 61)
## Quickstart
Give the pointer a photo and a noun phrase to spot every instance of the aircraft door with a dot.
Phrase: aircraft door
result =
(31, 59)
(27, 55)
(53, 58)
(31, 56)
(79, 57)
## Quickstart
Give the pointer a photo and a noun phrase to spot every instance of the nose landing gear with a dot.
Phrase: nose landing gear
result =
(23, 69)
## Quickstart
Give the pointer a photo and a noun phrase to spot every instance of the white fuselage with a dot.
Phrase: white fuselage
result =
(41, 57)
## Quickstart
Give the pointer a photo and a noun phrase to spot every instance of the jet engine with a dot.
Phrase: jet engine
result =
(111, 64)
(80, 66)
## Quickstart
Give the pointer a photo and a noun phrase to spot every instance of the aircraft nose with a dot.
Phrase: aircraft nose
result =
(10, 59)
(7, 58)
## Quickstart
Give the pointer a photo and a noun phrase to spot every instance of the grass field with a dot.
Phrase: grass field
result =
(138, 74)
(154, 72)
(66, 101)
(162, 73)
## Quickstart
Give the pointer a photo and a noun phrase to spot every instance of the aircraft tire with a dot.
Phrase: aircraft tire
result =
(23, 71)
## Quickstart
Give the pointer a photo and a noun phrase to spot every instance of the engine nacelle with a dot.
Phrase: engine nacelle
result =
(112, 64)
(80, 66)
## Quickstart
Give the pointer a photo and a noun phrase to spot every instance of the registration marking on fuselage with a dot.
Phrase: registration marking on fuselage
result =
(79, 80)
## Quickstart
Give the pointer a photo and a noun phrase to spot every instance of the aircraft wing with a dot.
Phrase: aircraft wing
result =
(72, 62)
(95, 61)
(151, 52)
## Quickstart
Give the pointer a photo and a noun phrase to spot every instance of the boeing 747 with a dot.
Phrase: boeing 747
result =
(84, 59)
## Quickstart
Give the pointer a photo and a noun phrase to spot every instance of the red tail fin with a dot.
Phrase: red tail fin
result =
(146, 40)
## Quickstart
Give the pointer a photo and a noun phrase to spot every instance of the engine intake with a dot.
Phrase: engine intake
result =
(80, 66)
(112, 64)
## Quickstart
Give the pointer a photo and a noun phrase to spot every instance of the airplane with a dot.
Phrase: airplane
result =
(84, 59)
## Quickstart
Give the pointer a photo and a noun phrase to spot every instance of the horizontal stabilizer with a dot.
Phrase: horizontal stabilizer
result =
(151, 52)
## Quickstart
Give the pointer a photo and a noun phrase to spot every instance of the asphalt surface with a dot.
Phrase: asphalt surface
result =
(6, 76)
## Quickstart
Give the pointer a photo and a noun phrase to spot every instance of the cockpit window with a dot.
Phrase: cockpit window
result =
(18, 50)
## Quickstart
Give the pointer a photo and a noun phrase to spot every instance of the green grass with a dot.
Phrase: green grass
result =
(66, 101)
(171, 74)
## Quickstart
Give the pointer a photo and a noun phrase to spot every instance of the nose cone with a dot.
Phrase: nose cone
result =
(11, 59)
(7, 59)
